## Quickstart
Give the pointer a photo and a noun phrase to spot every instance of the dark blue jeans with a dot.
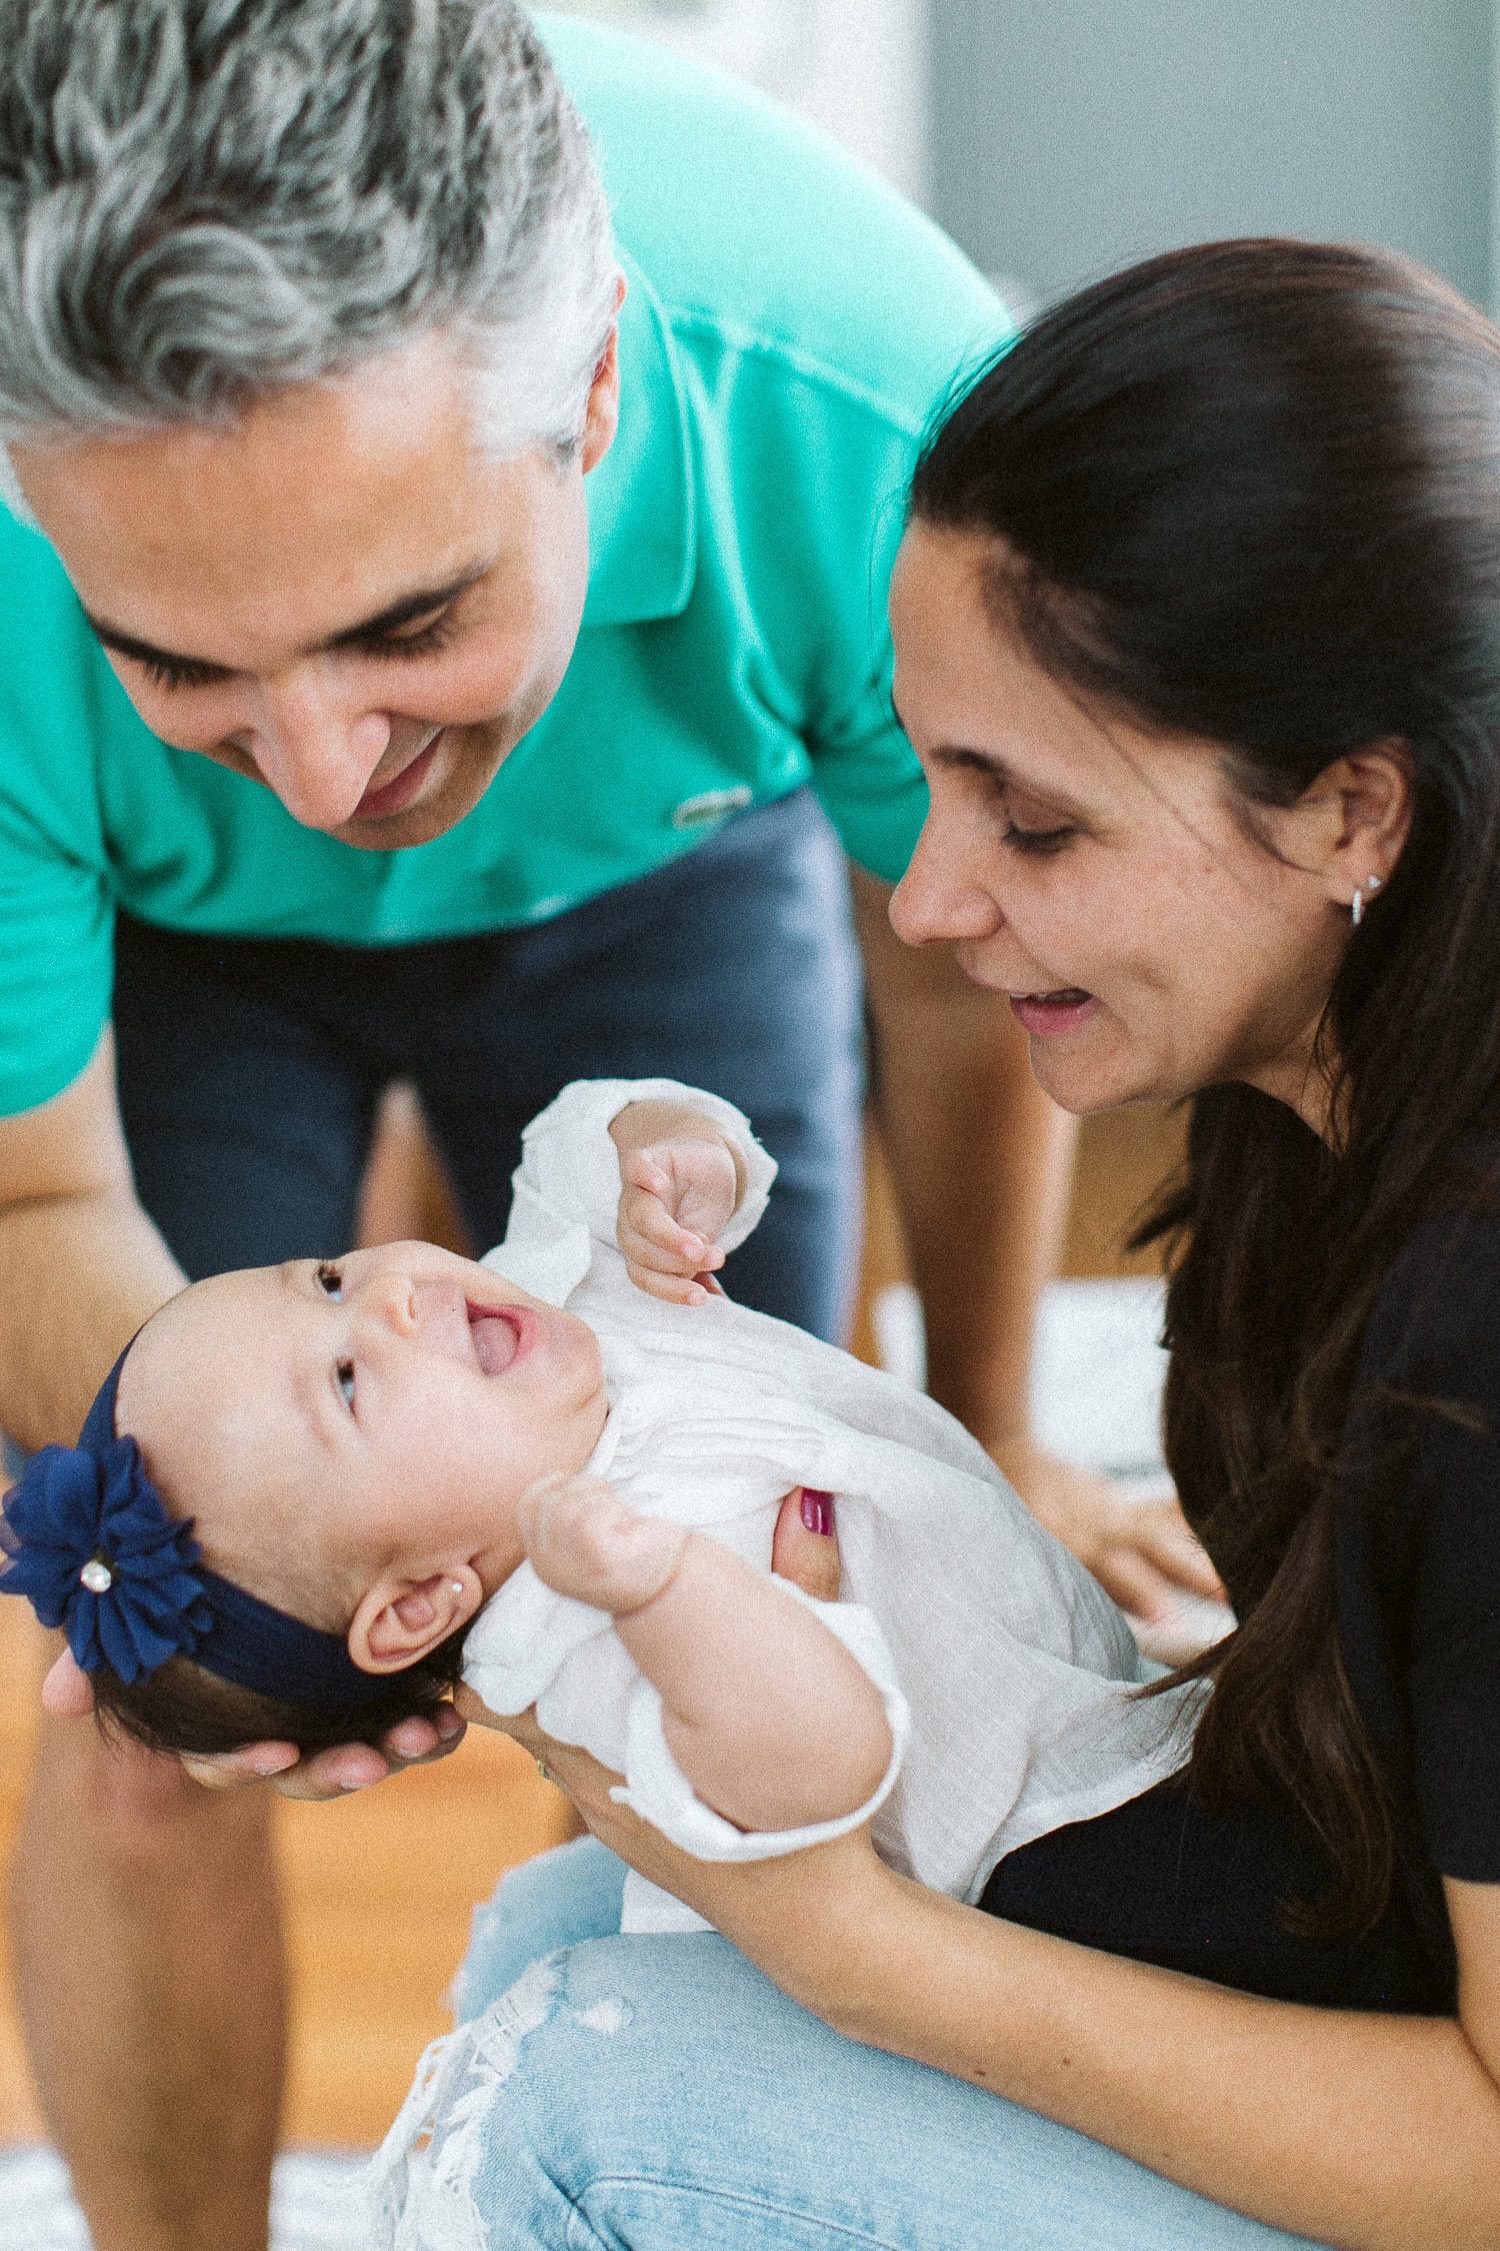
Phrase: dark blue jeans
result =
(250, 1068)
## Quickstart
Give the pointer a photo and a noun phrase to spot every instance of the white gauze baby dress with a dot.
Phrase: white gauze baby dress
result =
(1007, 1672)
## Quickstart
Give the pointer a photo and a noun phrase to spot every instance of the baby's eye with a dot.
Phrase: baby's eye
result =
(344, 1370)
(329, 1278)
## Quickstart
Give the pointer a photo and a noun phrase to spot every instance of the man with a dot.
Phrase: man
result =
(420, 672)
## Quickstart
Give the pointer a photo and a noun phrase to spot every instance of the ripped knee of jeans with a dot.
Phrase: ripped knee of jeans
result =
(420, 2185)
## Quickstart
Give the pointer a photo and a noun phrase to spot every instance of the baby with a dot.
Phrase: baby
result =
(310, 1497)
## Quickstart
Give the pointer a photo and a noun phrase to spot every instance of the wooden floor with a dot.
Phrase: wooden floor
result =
(375, 1922)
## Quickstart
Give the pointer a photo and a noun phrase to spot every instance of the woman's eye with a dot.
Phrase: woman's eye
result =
(344, 1370)
(1041, 841)
(329, 1279)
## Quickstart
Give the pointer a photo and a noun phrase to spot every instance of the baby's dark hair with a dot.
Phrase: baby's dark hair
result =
(184, 1709)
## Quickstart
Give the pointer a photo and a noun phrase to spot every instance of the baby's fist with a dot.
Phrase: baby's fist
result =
(582, 1540)
(677, 1197)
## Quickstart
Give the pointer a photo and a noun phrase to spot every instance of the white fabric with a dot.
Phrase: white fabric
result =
(1006, 1670)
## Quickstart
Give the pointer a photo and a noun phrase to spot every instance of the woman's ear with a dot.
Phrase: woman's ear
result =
(400, 1621)
(1368, 799)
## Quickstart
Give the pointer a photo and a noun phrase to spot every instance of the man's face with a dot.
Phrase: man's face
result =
(338, 596)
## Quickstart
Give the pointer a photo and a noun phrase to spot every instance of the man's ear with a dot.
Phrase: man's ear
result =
(400, 1620)
(1367, 799)
(602, 415)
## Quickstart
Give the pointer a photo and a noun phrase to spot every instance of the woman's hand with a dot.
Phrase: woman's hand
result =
(776, 1911)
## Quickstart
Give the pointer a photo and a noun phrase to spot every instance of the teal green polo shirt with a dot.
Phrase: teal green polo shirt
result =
(789, 327)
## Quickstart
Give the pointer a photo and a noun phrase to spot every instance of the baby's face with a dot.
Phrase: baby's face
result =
(385, 1408)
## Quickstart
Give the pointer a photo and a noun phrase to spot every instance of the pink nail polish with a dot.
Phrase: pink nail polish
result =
(817, 1511)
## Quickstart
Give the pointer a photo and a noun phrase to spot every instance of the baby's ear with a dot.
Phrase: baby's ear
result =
(400, 1621)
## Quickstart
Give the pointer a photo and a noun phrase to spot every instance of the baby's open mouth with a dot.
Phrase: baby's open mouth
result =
(498, 1336)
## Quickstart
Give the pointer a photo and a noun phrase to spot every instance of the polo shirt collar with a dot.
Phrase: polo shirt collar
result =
(643, 528)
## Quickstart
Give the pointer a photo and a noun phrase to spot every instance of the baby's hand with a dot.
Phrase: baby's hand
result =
(582, 1540)
(680, 1185)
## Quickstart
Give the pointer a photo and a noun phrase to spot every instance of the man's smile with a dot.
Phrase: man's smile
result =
(394, 796)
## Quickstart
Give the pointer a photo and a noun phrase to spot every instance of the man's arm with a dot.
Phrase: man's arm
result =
(83, 1265)
(982, 1162)
(145, 1933)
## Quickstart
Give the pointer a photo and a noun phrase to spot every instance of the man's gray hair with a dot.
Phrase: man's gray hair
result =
(202, 201)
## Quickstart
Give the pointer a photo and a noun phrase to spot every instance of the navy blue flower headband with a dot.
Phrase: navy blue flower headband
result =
(94, 1549)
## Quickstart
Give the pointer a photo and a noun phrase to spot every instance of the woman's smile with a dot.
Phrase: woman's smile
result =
(1051, 1015)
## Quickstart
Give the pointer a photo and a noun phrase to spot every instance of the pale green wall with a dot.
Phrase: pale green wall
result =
(1072, 135)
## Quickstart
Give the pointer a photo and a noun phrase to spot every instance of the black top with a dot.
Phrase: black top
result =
(1418, 1608)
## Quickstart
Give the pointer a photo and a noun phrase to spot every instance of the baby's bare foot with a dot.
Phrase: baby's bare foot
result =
(582, 1540)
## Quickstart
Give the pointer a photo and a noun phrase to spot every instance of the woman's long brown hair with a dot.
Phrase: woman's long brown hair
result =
(1251, 492)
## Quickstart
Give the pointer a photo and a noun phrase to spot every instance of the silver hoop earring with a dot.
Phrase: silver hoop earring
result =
(1357, 908)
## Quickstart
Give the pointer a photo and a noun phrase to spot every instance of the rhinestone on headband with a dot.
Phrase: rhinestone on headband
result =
(96, 1575)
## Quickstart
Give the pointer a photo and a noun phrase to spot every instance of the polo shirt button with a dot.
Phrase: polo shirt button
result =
(712, 805)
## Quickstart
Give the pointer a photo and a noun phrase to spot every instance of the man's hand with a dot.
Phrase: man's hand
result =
(680, 1186)
(336, 1773)
(1141, 1552)
(328, 1774)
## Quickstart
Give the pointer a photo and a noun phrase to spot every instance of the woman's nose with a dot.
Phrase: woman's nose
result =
(939, 897)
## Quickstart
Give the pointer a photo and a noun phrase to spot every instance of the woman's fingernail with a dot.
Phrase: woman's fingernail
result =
(817, 1510)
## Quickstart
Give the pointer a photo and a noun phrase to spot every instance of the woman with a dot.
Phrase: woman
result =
(1198, 637)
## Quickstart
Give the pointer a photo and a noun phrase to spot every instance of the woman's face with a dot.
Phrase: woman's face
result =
(1100, 876)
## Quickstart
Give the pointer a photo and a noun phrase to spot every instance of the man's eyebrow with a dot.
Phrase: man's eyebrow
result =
(396, 614)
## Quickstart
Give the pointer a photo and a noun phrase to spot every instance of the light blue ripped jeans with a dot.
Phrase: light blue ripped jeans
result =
(659, 2094)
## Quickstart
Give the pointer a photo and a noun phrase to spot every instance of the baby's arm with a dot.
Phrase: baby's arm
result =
(773, 1722)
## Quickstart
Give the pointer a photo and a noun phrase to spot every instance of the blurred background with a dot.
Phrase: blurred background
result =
(1055, 142)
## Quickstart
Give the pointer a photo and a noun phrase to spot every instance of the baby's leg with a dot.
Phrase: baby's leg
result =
(773, 1721)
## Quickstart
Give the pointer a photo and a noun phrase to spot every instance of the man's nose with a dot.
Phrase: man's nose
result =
(315, 754)
(938, 898)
